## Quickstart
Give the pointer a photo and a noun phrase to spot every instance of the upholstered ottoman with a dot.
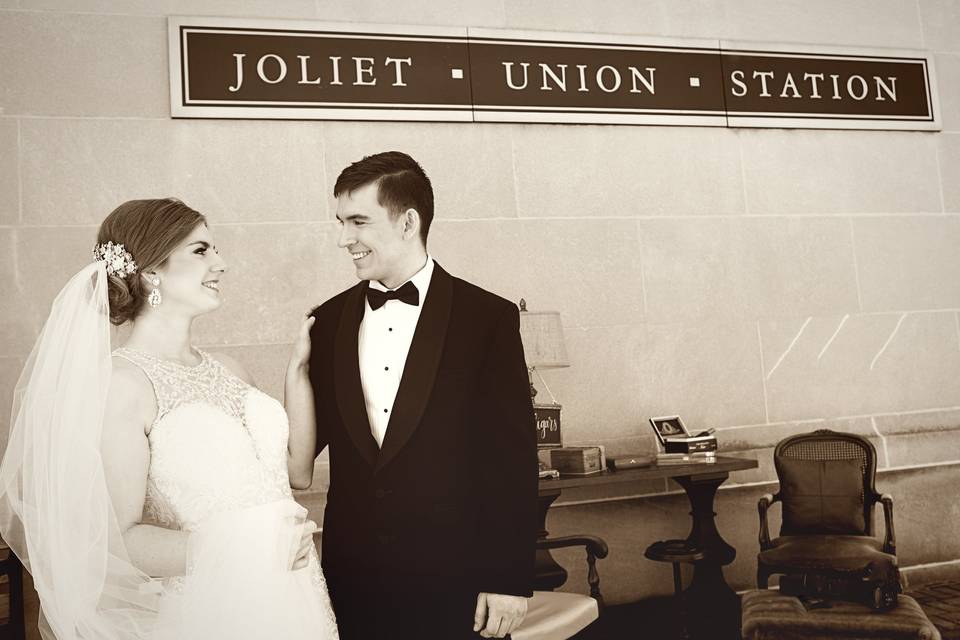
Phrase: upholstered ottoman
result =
(769, 615)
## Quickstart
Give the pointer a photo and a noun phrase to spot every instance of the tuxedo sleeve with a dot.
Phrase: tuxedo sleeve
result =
(508, 468)
(318, 358)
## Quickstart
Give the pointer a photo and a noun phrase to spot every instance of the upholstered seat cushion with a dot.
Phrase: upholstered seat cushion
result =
(769, 615)
(837, 553)
(821, 496)
(554, 615)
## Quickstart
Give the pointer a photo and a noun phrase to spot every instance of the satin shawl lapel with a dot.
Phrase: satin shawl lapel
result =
(421, 367)
(353, 407)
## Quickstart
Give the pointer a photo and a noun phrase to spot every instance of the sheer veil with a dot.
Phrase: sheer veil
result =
(55, 511)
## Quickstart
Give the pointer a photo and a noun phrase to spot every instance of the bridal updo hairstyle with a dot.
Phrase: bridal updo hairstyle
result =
(150, 230)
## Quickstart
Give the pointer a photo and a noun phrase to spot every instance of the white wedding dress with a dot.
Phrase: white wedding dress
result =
(218, 468)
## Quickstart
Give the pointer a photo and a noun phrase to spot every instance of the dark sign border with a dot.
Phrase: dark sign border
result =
(179, 29)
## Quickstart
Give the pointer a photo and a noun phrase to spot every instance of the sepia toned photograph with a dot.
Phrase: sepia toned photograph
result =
(345, 321)
(668, 427)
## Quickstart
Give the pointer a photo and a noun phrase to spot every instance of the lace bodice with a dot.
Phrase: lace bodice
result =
(216, 444)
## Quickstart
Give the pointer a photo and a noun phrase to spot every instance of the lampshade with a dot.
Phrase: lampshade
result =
(542, 336)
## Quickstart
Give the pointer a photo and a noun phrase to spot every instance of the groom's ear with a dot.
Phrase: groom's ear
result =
(411, 223)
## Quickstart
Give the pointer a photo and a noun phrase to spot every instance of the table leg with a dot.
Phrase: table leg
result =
(714, 607)
(548, 574)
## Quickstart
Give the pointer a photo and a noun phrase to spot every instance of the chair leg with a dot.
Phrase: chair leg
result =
(15, 584)
(678, 596)
(762, 578)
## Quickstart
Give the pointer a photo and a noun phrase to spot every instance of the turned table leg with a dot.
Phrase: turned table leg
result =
(714, 607)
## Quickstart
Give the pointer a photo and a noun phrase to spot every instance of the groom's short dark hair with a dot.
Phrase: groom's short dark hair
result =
(401, 184)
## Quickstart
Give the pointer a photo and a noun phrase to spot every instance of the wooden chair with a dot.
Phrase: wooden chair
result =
(11, 568)
(828, 497)
(556, 616)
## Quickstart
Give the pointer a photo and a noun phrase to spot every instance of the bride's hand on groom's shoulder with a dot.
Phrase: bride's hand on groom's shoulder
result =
(300, 357)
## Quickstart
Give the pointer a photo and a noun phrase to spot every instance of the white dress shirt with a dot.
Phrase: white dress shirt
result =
(385, 337)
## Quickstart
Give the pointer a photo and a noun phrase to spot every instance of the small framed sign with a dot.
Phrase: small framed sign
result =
(669, 427)
(547, 421)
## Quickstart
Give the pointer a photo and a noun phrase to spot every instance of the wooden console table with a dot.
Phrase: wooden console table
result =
(716, 604)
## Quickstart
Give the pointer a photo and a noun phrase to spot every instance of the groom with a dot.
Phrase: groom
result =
(421, 394)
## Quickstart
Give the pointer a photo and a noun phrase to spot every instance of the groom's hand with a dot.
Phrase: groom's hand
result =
(497, 615)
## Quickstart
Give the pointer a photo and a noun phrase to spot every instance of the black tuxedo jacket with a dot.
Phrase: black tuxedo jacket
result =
(449, 501)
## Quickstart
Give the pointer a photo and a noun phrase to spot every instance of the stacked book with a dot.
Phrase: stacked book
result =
(700, 443)
(688, 449)
(706, 457)
(679, 446)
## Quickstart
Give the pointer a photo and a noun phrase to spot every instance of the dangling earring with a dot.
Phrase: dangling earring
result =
(155, 298)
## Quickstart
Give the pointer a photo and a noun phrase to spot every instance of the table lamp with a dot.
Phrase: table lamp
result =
(543, 348)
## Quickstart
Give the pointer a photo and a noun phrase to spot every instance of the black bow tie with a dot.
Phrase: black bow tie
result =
(408, 293)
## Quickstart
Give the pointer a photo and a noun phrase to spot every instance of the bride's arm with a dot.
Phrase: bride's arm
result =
(130, 409)
(298, 401)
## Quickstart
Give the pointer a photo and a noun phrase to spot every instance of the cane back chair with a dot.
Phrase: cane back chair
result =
(828, 495)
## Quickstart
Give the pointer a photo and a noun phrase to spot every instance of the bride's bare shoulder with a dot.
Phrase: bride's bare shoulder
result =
(131, 398)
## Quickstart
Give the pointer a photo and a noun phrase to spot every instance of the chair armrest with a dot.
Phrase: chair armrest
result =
(762, 505)
(889, 540)
(595, 547)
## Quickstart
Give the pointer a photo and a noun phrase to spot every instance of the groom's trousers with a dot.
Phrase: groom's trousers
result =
(366, 612)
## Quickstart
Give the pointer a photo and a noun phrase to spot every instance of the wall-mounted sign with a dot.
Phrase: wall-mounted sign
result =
(233, 68)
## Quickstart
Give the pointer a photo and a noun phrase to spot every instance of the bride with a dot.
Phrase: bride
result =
(147, 490)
